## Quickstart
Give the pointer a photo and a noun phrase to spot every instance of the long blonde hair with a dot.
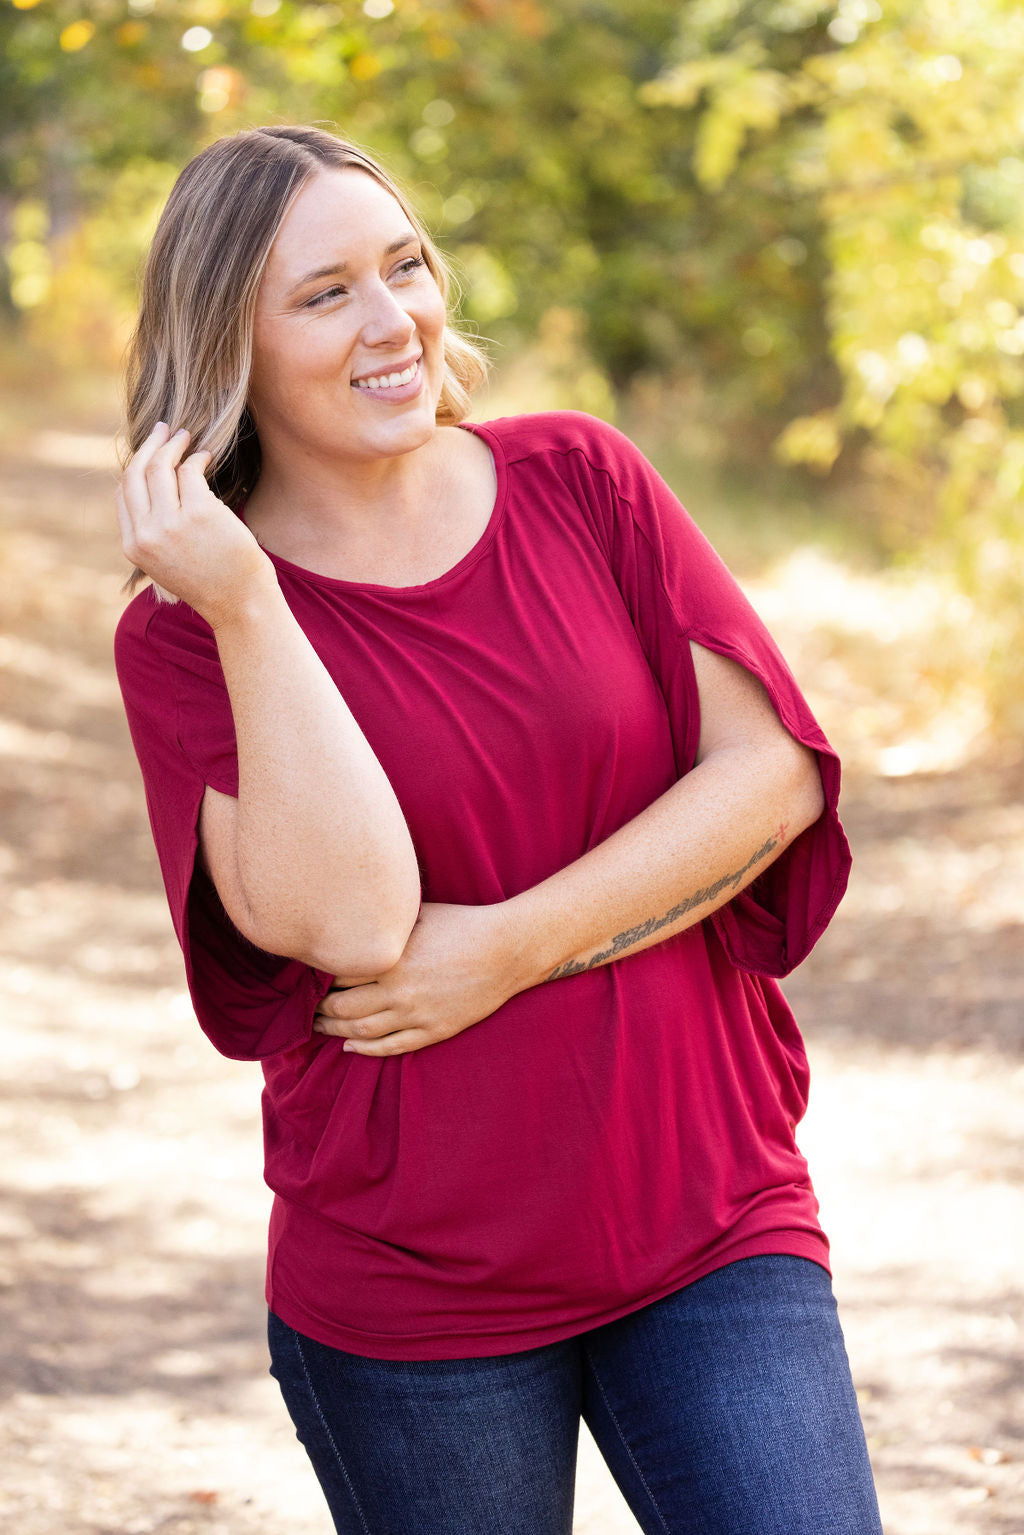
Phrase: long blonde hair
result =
(189, 358)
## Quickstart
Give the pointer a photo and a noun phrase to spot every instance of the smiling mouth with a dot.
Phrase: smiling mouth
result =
(388, 380)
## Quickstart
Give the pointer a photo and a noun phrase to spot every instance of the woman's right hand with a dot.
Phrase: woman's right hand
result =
(175, 529)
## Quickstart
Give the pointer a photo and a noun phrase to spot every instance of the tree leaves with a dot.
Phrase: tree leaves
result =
(814, 212)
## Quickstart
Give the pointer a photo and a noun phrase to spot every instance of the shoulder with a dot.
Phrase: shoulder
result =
(131, 636)
(152, 635)
(552, 432)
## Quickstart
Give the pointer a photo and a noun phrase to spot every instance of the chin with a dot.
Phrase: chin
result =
(403, 436)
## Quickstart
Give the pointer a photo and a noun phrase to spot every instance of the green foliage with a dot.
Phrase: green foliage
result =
(806, 215)
(905, 132)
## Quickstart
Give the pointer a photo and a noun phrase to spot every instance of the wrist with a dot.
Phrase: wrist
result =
(527, 959)
(246, 605)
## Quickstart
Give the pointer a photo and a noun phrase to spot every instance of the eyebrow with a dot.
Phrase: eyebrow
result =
(410, 238)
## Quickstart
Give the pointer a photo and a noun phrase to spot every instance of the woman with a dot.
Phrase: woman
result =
(487, 810)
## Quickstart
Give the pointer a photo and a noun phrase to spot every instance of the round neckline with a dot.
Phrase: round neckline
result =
(470, 557)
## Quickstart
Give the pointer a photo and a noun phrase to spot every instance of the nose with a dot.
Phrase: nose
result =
(386, 321)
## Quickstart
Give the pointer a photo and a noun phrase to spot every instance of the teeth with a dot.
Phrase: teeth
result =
(388, 380)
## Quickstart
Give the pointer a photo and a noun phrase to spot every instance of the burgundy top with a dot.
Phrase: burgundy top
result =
(601, 1139)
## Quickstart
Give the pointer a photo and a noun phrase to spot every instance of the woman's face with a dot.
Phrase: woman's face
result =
(348, 341)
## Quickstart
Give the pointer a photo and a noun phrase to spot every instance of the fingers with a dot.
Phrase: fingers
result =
(133, 480)
(358, 1012)
(162, 478)
(404, 1042)
(149, 483)
(192, 474)
(371, 1027)
(160, 434)
(367, 1032)
(355, 1002)
(155, 487)
(355, 1015)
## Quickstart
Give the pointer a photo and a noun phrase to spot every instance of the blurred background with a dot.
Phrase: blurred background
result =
(780, 243)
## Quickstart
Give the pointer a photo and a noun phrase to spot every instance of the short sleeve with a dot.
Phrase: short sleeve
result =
(249, 1003)
(677, 589)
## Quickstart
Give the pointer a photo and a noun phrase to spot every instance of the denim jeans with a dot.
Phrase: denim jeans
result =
(726, 1408)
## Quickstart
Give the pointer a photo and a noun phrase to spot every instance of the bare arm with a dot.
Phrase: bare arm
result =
(314, 859)
(752, 791)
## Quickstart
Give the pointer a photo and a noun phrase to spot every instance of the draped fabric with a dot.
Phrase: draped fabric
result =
(603, 1138)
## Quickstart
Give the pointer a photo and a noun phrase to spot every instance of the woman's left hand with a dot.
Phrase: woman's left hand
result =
(457, 967)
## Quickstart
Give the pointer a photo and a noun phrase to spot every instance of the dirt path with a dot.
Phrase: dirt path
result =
(135, 1397)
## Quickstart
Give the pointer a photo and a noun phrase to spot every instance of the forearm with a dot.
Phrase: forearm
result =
(687, 854)
(325, 866)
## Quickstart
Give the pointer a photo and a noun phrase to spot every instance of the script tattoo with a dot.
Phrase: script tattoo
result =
(625, 940)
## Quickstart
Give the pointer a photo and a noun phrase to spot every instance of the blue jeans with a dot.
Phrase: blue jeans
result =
(726, 1408)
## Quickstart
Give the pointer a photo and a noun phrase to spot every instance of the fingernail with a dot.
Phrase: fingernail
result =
(181, 432)
(160, 423)
(348, 1046)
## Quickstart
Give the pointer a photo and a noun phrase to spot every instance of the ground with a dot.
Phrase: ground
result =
(135, 1395)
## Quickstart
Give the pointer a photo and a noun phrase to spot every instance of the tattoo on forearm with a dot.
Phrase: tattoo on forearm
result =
(632, 935)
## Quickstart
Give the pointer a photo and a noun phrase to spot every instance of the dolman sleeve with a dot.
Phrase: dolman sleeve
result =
(677, 589)
(249, 1003)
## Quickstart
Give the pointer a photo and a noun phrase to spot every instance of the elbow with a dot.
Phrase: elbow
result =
(357, 951)
(357, 959)
(364, 945)
(805, 794)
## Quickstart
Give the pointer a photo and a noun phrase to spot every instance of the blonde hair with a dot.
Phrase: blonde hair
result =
(189, 359)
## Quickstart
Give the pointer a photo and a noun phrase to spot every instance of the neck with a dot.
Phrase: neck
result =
(318, 496)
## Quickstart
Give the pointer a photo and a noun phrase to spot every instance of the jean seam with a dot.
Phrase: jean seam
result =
(327, 1431)
(624, 1442)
